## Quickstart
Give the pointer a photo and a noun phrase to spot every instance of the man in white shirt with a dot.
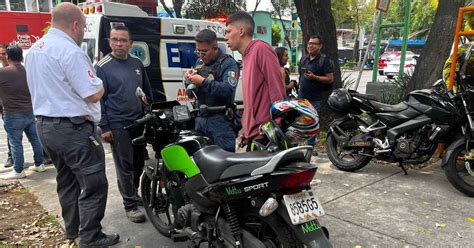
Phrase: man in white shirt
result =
(65, 95)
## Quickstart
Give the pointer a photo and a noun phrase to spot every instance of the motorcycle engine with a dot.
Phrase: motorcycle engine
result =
(407, 146)
(404, 148)
(188, 216)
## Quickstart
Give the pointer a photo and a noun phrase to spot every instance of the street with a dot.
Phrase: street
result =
(375, 207)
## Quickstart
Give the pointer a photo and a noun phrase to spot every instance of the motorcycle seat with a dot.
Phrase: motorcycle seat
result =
(217, 164)
(389, 108)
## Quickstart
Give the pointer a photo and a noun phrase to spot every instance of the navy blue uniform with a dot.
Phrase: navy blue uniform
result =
(312, 89)
(218, 89)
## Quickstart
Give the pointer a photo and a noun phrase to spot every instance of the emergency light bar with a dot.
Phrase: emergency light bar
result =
(111, 9)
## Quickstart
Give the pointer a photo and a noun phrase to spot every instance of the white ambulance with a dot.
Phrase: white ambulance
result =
(166, 46)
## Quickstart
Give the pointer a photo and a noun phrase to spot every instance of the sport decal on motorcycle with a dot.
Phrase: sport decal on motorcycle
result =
(233, 190)
(256, 187)
(309, 227)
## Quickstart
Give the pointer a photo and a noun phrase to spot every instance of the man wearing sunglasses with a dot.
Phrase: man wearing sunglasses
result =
(214, 80)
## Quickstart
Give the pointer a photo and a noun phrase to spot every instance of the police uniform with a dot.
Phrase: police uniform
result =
(60, 76)
(218, 89)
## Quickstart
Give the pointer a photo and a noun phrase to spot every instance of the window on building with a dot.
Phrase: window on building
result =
(261, 30)
(3, 5)
(43, 5)
(17, 5)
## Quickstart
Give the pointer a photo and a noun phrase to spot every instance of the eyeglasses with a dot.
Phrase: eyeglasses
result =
(116, 41)
(313, 44)
(201, 52)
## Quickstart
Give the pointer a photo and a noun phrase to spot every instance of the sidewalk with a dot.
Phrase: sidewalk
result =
(375, 207)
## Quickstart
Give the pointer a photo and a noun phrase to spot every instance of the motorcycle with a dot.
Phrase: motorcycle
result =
(197, 192)
(406, 133)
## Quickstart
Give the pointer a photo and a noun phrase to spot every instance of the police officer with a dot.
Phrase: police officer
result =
(65, 95)
(215, 77)
(121, 75)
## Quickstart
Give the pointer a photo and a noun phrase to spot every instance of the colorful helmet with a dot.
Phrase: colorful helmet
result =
(299, 119)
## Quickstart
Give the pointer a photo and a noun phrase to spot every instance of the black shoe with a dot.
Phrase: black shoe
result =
(9, 162)
(105, 241)
(135, 215)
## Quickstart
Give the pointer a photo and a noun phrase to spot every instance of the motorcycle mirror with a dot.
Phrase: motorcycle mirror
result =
(141, 96)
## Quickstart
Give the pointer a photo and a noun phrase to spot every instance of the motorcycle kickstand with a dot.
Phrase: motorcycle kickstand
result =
(403, 168)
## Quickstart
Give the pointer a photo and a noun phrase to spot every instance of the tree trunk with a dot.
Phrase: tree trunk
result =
(316, 18)
(429, 67)
(255, 9)
(277, 7)
(178, 6)
(166, 8)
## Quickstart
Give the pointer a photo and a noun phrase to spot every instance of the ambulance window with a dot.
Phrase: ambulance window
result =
(43, 5)
(3, 5)
(31, 6)
(17, 5)
(88, 46)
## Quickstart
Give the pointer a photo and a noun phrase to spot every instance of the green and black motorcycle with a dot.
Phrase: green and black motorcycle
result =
(197, 192)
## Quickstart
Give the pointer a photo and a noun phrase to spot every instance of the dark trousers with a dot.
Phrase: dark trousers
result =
(219, 130)
(78, 156)
(129, 162)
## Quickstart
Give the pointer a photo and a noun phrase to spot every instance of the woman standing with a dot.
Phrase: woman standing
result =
(282, 54)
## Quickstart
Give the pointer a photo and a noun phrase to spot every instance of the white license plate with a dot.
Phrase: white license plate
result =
(303, 207)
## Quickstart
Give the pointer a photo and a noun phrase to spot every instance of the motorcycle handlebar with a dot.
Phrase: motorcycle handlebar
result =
(144, 119)
(139, 140)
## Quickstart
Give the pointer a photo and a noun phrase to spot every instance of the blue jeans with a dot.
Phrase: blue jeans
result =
(317, 105)
(15, 124)
(218, 129)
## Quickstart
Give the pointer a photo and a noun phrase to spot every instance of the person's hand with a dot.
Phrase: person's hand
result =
(196, 79)
(292, 84)
(242, 142)
(309, 75)
(107, 136)
(189, 73)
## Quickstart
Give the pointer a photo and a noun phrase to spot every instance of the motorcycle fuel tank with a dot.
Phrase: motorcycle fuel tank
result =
(432, 105)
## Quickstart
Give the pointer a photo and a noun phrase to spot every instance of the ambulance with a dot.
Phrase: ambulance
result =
(166, 46)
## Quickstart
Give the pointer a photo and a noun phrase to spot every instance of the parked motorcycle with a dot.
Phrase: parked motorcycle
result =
(200, 193)
(406, 133)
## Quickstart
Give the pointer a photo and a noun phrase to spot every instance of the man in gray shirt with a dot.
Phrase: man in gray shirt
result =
(66, 94)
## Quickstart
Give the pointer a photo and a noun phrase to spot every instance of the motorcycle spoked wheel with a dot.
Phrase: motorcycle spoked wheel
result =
(344, 159)
(457, 173)
(271, 230)
(161, 213)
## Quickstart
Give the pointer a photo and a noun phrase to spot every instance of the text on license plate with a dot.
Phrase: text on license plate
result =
(303, 207)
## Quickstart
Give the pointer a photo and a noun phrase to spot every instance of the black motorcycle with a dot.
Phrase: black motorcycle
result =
(200, 193)
(406, 133)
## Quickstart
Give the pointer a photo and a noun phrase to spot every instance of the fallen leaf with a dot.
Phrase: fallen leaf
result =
(418, 230)
(358, 246)
(347, 185)
(406, 194)
(426, 203)
(441, 225)
(470, 219)
(459, 235)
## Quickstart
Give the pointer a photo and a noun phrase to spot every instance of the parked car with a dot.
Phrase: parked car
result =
(393, 65)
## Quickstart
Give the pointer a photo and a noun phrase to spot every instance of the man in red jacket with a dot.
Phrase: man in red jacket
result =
(261, 77)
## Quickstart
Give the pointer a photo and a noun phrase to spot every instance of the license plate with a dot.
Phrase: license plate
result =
(303, 207)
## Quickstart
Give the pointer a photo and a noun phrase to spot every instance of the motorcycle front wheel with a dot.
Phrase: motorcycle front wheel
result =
(460, 172)
(270, 230)
(160, 212)
(346, 159)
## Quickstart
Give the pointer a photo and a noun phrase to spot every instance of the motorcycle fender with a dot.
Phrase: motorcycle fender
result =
(310, 233)
(335, 123)
(449, 151)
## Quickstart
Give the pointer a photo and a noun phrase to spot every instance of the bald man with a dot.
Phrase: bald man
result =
(65, 94)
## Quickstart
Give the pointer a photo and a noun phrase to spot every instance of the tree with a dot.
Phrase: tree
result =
(257, 2)
(438, 46)
(276, 34)
(177, 6)
(280, 6)
(202, 9)
(316, 18)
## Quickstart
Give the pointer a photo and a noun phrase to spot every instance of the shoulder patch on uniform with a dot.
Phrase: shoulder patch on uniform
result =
(232, 81)
(104, 61)
(232, 74)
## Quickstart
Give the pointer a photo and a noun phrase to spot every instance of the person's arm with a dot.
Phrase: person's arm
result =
(104, 121)
(224, 88)
(146, 85)
(328, 70)
(80, 74)
(270, 67)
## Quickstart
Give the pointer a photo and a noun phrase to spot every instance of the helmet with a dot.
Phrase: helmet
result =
(299, 119)
(340, 100)
(275, 136)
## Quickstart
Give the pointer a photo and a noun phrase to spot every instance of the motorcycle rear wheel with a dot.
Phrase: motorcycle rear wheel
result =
(271, 230)
(337, 154)
(162, 207)
(457, 173)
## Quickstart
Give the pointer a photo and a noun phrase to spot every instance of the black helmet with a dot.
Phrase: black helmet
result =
(340, 100)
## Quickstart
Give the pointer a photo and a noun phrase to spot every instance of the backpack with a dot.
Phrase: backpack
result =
(326, 87)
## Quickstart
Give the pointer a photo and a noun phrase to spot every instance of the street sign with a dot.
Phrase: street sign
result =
(382, 5)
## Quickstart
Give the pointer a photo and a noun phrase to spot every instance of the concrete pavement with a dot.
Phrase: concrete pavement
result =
(375, 207)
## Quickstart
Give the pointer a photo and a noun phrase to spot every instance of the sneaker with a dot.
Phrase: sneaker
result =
(106, 241)
(9, 162)
(315, 153)
(39, 168)
(135, 215)
(14, 175)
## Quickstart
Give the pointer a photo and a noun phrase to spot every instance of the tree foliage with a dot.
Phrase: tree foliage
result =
(282, 7)
(276, 34)
(202, 9)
